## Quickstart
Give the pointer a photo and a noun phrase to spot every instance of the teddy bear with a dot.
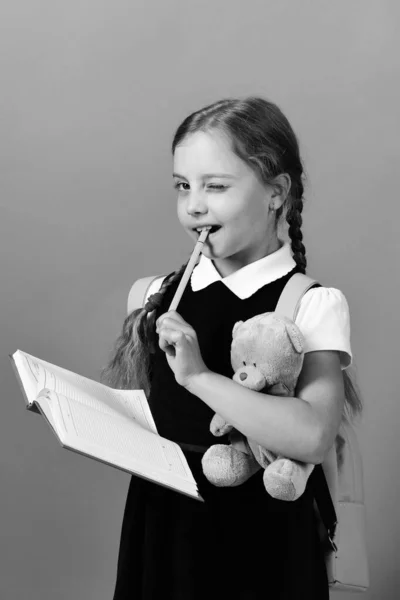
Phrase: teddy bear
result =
(267, 354)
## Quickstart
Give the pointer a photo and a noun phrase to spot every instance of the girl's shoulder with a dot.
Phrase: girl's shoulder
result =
(324, 298)
(324, 320)
(323, 301)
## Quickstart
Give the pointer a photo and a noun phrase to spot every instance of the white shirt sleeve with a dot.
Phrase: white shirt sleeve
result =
(324, 320)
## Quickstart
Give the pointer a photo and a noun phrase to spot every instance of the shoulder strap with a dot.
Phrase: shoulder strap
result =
(294, 290)
(323, 499)
(139, 290)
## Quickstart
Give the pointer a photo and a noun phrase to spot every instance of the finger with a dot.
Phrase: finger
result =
(165, 343)
(169, 323)
(173, 324)
(171, 314)
(166, 346)
(171, 337)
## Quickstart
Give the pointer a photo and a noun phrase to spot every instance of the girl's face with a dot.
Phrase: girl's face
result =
(216, 187)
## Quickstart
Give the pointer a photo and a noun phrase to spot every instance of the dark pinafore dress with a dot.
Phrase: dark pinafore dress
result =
(240, 544)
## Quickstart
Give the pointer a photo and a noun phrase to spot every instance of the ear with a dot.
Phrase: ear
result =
(281, 185)
(236, 327)
(293, 332)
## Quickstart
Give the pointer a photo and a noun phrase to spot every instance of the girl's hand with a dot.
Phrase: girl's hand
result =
(178, 339)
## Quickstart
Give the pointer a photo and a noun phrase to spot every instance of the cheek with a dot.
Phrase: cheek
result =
(257, 214)
(233, 207)
(244, 216)
(180, 211)
(245, 204)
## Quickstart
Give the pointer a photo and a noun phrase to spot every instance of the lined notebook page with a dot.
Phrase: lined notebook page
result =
(37, 374)
(28, 370)
(119, 440)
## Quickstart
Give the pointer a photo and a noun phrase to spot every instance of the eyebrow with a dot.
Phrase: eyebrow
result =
(209, 175)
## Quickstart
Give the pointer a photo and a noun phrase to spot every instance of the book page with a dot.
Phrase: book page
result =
(46, 411)
(37, 374)
(28, 370)
(120, 441)
(139, 407)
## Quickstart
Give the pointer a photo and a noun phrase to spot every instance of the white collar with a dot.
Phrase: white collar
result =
(245, 281)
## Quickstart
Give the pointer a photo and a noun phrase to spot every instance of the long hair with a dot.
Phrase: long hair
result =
(263, 138)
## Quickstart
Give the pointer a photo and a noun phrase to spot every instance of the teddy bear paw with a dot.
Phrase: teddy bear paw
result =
(225, 466)
(280, 480)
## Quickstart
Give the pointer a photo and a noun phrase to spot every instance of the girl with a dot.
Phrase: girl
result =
(236, 167)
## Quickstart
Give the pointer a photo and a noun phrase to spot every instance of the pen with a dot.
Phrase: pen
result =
(189, 268)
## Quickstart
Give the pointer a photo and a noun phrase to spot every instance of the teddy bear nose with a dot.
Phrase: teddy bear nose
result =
(243, 376)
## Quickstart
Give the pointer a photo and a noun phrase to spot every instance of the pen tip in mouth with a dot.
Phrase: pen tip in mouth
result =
(209, 228)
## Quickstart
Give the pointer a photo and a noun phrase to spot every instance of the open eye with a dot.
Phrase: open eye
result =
(254, 364)
(177, 185)
(244, 362)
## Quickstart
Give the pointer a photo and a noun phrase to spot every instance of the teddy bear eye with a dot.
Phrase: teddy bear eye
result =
(254, 364)
(244, 362)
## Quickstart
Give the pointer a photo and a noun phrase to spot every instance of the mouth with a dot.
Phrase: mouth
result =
(214, 229)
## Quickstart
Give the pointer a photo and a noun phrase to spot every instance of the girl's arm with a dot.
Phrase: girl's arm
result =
(303, 428)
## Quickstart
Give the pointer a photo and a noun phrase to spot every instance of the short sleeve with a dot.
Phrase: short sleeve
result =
(324, 320)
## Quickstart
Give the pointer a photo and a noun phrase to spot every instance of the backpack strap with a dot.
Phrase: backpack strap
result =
(289, 301)
(288, 306)
(323, 498)
(139, 291)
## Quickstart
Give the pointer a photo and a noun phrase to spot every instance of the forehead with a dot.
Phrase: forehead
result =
(206, 152)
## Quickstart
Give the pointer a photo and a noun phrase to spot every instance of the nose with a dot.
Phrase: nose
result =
(243, 376)
(196, 203)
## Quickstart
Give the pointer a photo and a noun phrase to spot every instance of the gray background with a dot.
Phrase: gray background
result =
(91, 93)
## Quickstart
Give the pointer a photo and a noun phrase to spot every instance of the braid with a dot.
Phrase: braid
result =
(295, 221)
(129, 364)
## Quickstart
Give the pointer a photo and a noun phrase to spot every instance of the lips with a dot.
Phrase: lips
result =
(214, 229)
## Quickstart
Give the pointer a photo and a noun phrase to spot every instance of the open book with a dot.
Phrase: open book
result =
(113, 426)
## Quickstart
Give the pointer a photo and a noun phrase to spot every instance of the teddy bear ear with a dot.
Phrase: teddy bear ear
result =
(295, 337)
(236, 327)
